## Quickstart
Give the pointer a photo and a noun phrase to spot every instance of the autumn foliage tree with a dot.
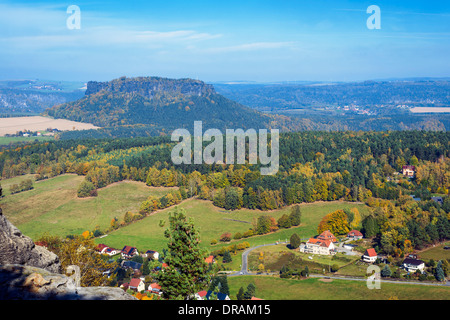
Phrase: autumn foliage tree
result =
(81, 252)
(336, 222)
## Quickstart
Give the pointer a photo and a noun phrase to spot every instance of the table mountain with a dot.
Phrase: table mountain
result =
(160, 102)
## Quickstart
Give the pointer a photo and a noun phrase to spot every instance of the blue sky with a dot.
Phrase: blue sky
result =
(243, 40)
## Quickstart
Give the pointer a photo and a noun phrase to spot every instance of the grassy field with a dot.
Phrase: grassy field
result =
(8, 140)
(212, 222)
(437, 253)
(53, 206)
(274, 257)
(275, 288)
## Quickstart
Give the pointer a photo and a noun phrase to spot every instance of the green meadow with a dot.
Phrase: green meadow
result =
(212, 222)
(53, 206)
(275, 288)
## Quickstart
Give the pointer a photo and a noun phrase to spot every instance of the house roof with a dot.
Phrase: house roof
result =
(320, 242)
(414, 262)
(220, 296)
(132, 264)
(128, 250)
(154, 285)
(371, 252)
(355, 233)
(326, 235)
(409, 167)
(135, 282)
(202, 293)
(101, 246)
(209, 259)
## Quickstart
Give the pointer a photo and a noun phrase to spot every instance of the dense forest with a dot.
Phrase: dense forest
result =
(314, 166)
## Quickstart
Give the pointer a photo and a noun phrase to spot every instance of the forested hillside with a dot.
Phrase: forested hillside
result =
(314, 166)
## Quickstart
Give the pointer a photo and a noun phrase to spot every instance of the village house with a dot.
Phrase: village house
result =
(151, 254)
(369, 256)
(136, 266)
(219, 295)
(154, 288)
(323, 244)
(104, 249)
(412, 265)
(408, 170)
(355, 235)
(110, 251)
(201, 295)
(137, 285)
(210, 259)
(128, 252)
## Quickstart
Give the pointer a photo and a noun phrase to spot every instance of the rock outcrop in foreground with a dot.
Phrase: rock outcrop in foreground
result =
(31, 272)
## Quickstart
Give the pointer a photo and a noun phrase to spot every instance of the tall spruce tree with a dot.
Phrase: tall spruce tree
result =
(186, 272)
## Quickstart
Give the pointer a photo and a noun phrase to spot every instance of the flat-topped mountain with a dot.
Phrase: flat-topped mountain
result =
(161, 103)
(151, 87)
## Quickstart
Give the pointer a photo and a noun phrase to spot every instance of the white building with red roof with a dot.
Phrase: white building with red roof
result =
(370, 256)
(355, 234)
(323, 244)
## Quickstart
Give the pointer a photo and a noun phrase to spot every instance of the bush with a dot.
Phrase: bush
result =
(86, 189)
(225, 237)
(237, 236)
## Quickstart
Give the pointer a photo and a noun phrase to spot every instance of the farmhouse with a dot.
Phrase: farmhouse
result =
(355, 235)
(369, 256)
(412, 265)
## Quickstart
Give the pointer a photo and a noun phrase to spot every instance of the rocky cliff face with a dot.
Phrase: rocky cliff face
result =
(31, 272)
(150, 87)
(15, 248)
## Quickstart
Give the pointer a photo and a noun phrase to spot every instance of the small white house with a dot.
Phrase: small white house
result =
(412, 265)
(137, 284)
(369, 256)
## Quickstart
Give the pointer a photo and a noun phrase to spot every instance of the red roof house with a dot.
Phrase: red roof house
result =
(355, 234)
(370, 255)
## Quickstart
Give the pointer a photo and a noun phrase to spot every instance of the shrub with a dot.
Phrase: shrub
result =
(225, 237)
(85, 189)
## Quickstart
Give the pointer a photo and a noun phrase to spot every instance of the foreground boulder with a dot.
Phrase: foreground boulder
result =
(16, 248)
(31, 272)
(18, 282)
